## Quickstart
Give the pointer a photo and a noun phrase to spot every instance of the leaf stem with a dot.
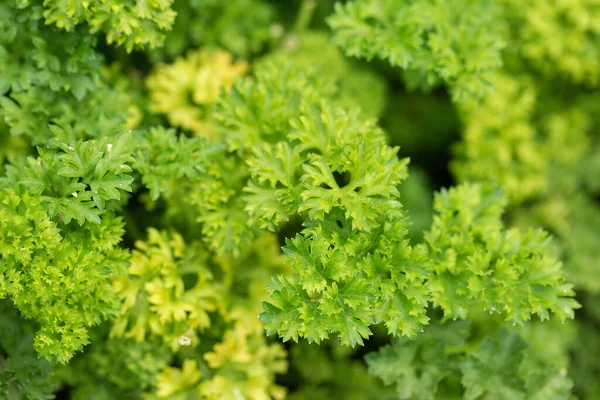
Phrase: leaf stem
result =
(305, 15)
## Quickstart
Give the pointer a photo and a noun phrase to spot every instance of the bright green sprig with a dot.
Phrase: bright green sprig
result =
(474, 260)
(295, 145)
(81, 180)
(57, 277)
(459, 43)
(337, 172)
(134, 24)
(471, 261)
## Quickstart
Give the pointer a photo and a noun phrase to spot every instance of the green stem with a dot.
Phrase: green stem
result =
(305, 15)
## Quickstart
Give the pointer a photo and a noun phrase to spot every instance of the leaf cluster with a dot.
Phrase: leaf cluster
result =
(441, 363)
(459, 44)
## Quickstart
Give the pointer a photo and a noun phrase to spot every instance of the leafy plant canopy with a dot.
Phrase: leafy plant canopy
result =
(255, 199)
